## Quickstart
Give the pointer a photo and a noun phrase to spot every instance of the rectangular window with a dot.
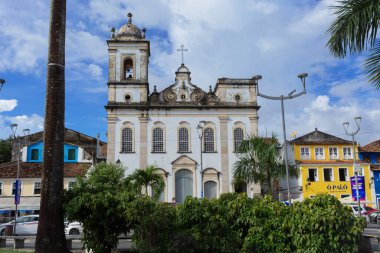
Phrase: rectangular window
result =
(37, 187)
(158, 140)
(342, 196)
(34, 155)
(378, 159)
(333, 152)
(1, 188)
(319, 153)
(305, 153)
(347, 154)
(313, 175)
(183, 140)
(367, 158)
(328, 175)
(71, 185)
(71, 154)
(343, 174)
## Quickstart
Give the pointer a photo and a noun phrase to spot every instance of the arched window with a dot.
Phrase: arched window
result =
(208, 140)
(238, 138)
(183, 140)
(127, 141)
(183, 185)
(210, 190)
(128, 68)
(158, 140)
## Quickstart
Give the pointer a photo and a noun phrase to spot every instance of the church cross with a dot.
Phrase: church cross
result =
(182, 50)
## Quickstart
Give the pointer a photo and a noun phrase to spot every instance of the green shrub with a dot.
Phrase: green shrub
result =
(323, 223)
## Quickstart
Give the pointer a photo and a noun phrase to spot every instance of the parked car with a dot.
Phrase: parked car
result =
(370, 209)
(373, 217)
(26, 225)
(363, 212)
(74, 228)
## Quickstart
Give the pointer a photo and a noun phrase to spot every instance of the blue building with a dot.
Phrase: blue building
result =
(371, 153)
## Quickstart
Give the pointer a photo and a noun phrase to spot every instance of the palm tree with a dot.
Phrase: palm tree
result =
(260, 162)
(148, 177)
(50, 232)
(354, 30)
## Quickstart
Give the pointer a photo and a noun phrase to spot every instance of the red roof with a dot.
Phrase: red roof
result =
(371, 147)
(34, 170)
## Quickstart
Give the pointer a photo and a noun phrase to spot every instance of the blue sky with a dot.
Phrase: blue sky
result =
(225, 38)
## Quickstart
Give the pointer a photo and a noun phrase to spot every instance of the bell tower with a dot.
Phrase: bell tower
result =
(129, 53)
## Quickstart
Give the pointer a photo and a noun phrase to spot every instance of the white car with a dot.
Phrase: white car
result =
(26, 225)
(74, 228)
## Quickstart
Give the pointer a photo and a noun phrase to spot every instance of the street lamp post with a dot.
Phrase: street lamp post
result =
(200, 134)
(282, 98)
(2, 81)
(352, 134)
(18, 185)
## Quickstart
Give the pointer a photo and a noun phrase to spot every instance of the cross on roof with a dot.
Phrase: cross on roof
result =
(182, 50)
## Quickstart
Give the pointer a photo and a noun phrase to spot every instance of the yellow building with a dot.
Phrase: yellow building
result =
(326, 165)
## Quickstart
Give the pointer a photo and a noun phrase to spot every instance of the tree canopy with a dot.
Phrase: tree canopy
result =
(354, 30)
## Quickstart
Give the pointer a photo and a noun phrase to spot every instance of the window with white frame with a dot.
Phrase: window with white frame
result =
(158, 140)
(208, 140)
(238, 138)
(328, 175)
(343, 174)
(342, 196)
(347, 153)
(312, 175)
(183, 140)
(71, 185)
(37, 187)
(127, 140)
(305, 153)
(1, 188)
(319, 153)
(333, 153)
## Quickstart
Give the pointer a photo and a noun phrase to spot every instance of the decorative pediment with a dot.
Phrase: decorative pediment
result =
(184, 160)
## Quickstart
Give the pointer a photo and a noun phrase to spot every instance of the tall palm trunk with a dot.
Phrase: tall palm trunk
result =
(50, 233)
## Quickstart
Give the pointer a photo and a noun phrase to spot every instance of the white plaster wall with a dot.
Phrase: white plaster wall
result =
(231, 93)
(171, 120)
(121, 91)
(80, 156)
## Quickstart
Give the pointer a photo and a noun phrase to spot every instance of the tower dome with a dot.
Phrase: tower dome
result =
(129, 31)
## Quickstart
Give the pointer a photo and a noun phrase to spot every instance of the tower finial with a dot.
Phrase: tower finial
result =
(182, 50)
(129, 17)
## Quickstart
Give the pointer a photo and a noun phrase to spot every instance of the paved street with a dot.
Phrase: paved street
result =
(124, 245)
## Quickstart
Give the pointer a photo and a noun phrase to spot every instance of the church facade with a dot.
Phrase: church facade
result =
(188, 133)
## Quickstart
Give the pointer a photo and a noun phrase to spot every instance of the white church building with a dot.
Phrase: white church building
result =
(188, 133)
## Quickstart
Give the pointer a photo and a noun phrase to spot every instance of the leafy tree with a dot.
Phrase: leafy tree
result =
(354, 30)
(98, 202)
(154, 224)
(259, 161)
(323, 224)
(5, 150)
(148, 177)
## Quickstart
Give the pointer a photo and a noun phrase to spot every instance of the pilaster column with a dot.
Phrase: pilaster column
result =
(254, 124)
(223, 120)
(111, 141)
(112, 65)
(143, 141)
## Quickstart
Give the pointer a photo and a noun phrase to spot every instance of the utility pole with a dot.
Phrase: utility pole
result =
(50, 233)
(282, 98)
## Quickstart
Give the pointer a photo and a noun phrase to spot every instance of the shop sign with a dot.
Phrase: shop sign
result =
(361, 188)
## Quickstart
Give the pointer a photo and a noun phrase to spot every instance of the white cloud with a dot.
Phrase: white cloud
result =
(34, 123)
(7, 105)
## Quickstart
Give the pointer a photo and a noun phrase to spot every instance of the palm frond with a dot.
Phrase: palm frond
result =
(355, 26)
(372, 65)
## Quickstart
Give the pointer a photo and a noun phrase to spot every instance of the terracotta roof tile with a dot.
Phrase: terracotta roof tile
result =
(34, 170)
(317, 137)
(371, 147)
